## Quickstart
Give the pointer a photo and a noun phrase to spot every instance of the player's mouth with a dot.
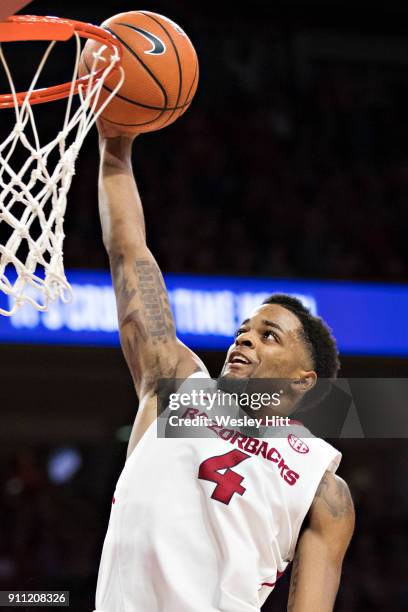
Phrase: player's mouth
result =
(238, 361)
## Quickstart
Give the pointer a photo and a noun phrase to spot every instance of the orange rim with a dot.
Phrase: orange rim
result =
(33, 27)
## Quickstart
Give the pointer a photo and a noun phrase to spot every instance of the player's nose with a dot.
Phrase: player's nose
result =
(245, 339)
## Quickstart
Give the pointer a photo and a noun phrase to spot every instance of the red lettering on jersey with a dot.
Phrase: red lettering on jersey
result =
(251, 445)
(282, 467)
(240, 441)
(263, 450)
(288, 475)
(297, 444)
(236, 435)
(190, 413)
(255, 447)
(272, 452)
(228, 482)
(291, 477)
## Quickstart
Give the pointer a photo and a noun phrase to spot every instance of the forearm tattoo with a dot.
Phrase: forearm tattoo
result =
(153, 295)
(153, 320)
(123, 289)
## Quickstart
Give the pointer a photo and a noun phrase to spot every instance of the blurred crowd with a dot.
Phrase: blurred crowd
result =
(286, 164)
(270, 176)
(51, 532)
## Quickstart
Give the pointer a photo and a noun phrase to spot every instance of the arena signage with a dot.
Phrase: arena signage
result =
(367, 319)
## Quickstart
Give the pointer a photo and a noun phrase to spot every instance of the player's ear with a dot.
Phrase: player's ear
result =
(304, 383)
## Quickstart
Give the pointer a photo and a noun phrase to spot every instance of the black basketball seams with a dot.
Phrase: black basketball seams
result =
(153, 76)
(147, 106)
(129, 101)
(166, 114)
(177, 58)
(159, 108)
(145, 66)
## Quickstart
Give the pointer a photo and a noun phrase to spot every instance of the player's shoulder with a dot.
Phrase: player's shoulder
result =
(302, 440)
(330, 522)
(332, 500)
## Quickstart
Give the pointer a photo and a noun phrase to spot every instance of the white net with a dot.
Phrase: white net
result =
(33, 197)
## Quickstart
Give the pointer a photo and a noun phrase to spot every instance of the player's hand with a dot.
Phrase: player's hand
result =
(108, 130)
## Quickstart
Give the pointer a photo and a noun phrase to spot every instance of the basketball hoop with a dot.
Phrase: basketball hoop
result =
(33, 197)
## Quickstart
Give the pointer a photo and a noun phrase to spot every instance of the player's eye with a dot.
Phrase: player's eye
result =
(240, 331)
(270, 334)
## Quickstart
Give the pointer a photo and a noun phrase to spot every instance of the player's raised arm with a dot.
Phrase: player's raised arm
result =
(321, 548)
(147, 329)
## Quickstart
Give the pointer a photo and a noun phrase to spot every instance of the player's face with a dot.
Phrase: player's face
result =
(268, 345)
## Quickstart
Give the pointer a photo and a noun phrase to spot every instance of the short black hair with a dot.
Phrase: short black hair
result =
(320, 343)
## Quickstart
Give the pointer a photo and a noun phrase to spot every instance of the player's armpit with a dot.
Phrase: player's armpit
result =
(316, 567)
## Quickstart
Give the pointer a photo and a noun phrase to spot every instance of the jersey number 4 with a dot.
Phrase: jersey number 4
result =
(228, 482)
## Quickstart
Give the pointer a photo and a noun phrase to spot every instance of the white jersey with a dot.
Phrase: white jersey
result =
(208, 524)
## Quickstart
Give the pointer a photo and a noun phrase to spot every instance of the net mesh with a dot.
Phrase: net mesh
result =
(33, 197)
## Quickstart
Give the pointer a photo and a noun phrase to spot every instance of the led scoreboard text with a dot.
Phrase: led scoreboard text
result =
(367, 319)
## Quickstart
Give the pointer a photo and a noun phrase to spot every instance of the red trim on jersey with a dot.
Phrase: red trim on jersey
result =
(272, 584)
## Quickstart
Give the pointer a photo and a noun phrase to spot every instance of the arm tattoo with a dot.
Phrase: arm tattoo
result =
(123, 291)
(335, 495)
(154, 320)
(153, 295)
(294, 578)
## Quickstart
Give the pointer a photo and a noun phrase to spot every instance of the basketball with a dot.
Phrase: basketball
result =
(161, 72)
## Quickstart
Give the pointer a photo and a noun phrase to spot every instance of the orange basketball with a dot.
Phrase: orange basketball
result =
(161, 72)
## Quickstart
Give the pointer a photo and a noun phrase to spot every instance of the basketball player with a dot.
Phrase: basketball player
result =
(206, 525)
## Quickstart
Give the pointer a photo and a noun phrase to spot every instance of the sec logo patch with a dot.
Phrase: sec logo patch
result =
(297, 444)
